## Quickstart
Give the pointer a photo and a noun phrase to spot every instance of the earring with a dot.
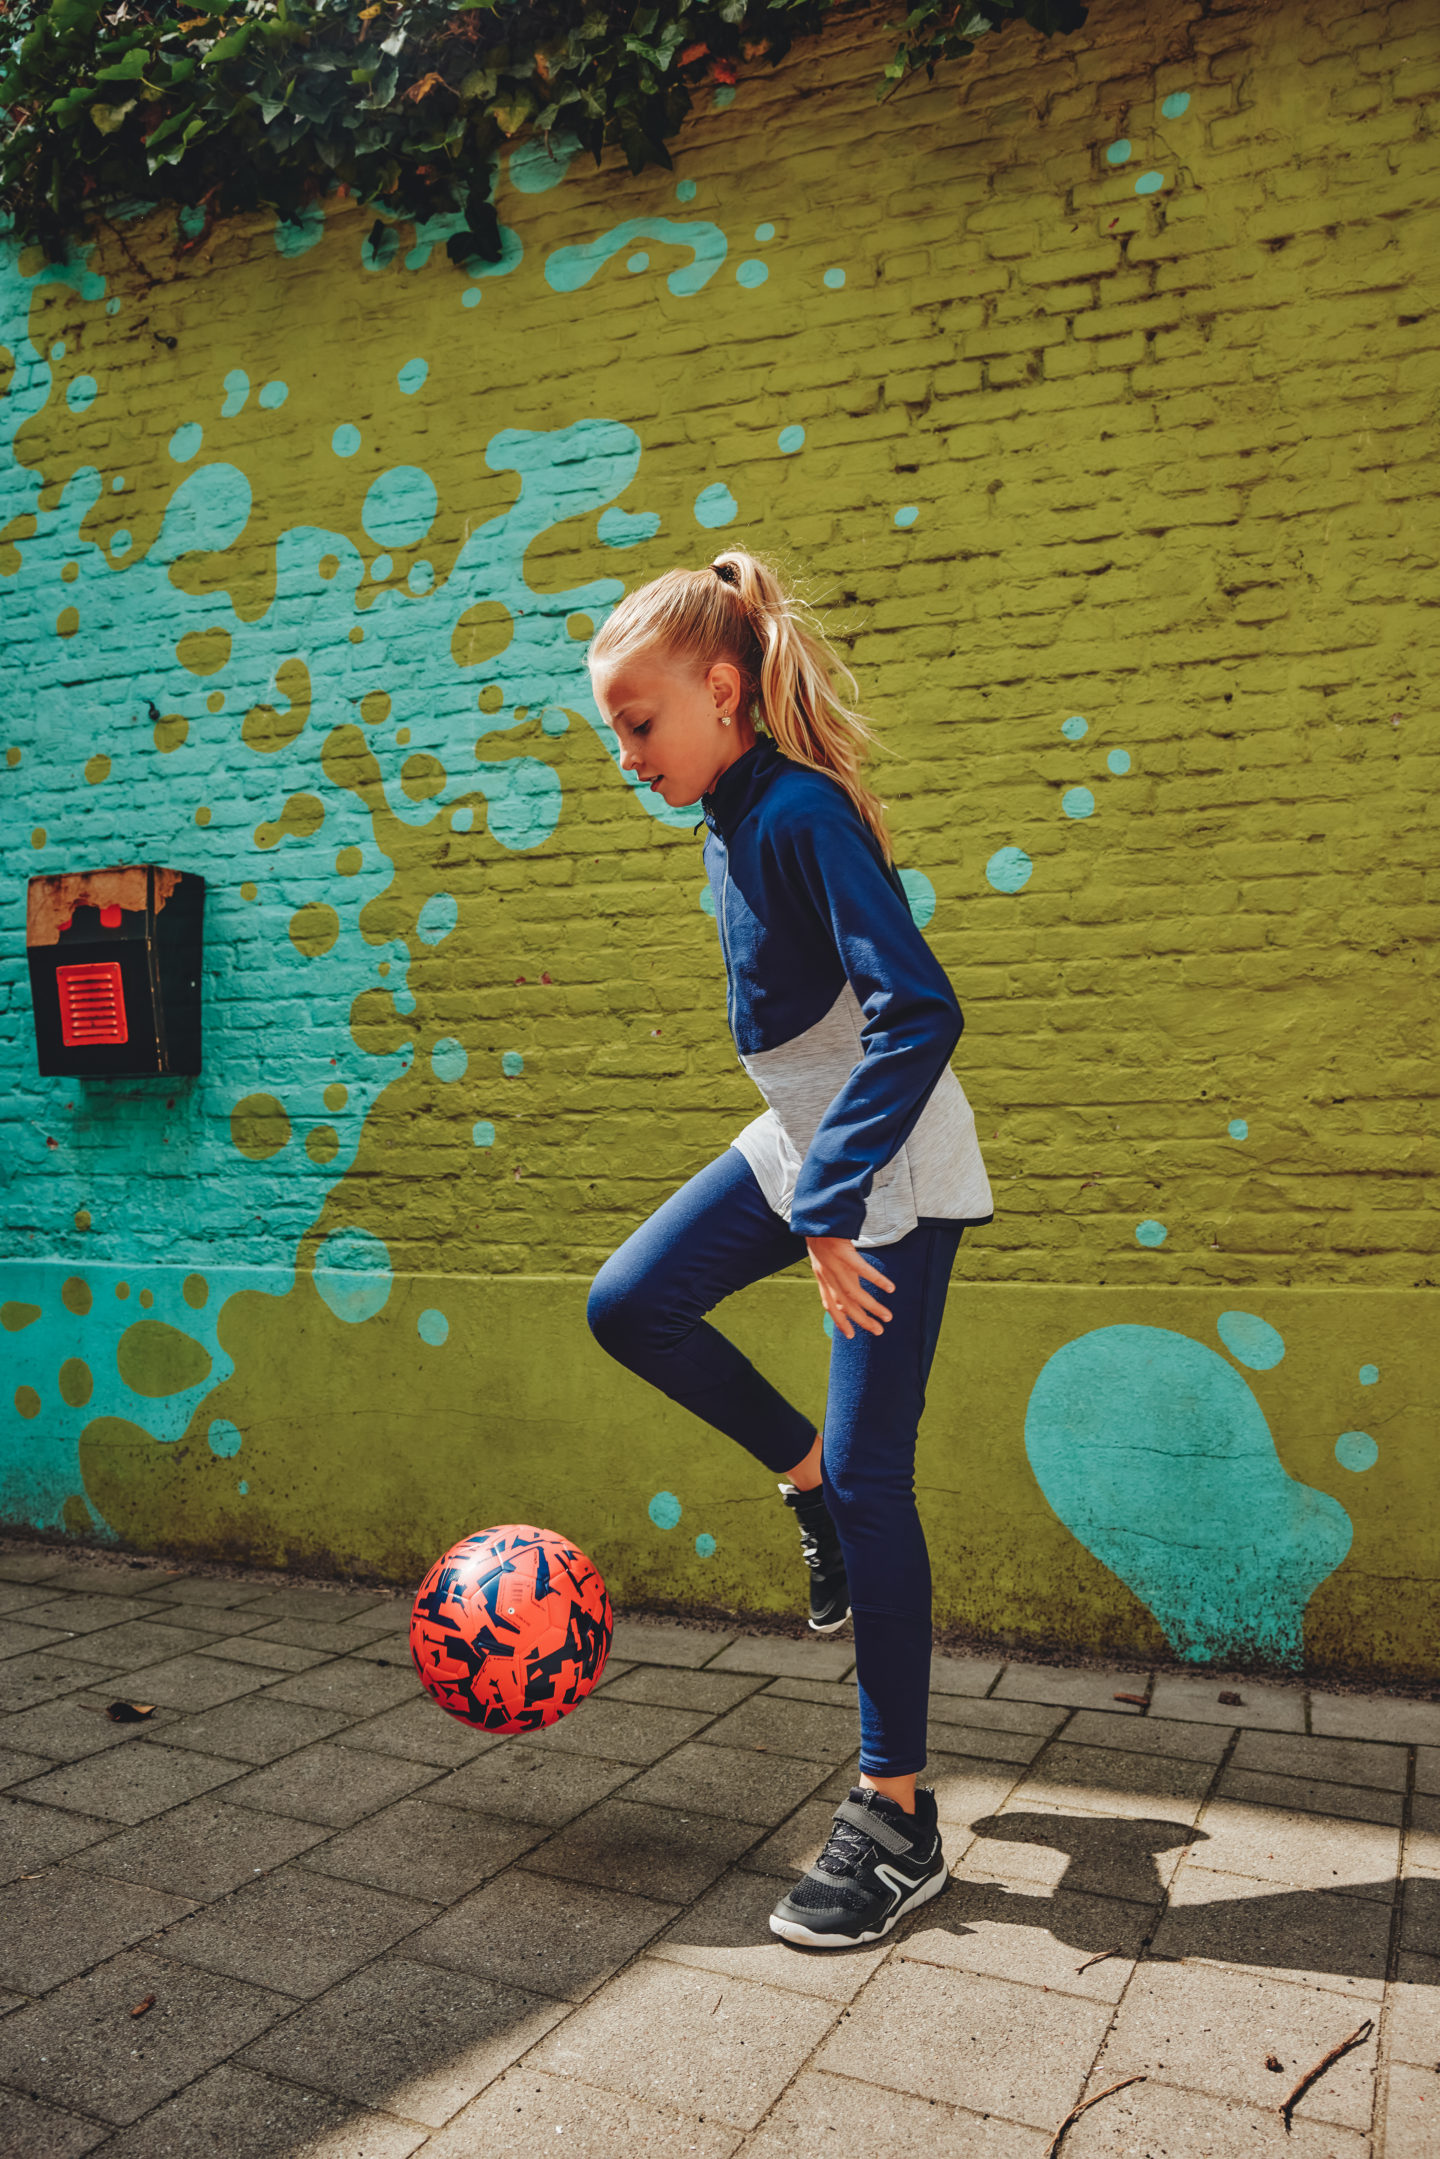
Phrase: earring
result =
(726, 718)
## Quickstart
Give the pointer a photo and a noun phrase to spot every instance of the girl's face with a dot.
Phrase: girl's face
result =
(667, 713)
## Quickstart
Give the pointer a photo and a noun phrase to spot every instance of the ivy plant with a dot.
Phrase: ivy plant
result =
(231, 106)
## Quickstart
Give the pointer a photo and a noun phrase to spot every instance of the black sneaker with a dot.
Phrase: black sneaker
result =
(878, 1862)
(829, 1590)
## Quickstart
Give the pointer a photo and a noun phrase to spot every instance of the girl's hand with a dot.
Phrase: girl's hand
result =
(841, 1274)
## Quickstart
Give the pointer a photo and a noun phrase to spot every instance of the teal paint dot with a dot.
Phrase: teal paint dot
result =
(1077, 802)
(707, 901)
(764, 233)
(380, 568)
(121, 544)
(1252, 1342)
(404, 999)
(186, 441)
(273, 396)
(353, 1275)
(1008, 869)
(791, 439)
(827, 1325)
(906, 517)
(1073, 728)
(483, 1133)
(1238, 1128)
(1369, 1373)
(297, 235)
(433, 1327)
(751, 274)
(723, 97)
(237, 389)
(421, 578)
(412, 376)
(834, 279)
(1357, 1451)
(191, 220)
(554, 722)
(437, 918)
(449, 1059)
(57, 350)
(1151, 1233)
(1149, 183)
(715, 505)
(921, 895)
(346, 440)
(512, 1064)
(1118, 760)
(637, 262)
(471, 296)
(81, 394)
(664, 1510)
(705, 1545)
(538, 166)
(685, 190)
(1174, 105)
(226, 1439)
(627, 528)
(112, 307)
(462, 820)
(117, 485)
(1118, 152)
(400, 507)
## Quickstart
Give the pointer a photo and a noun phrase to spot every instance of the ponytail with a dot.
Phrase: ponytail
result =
(738, 610)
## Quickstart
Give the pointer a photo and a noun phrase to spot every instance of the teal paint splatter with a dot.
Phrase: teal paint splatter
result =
(470, 297)
(715, 505)
(297, 235)
(1175, 105)
(707, 901)
(567, 269)
(705, 1545)
(1078, 802)
(627, 528)
(539, 165)
(1155, 1454)
(1356, 1451)
(1073, 728)
(346, 439)
(834, 279)
(1252, 1342)
(437, 918)
(237, 390)
(764, 233)
(523, 800)
(723, 97)
(226, 1439)
(381, 568)
(117, 485)
(637, 262)
(191, 220)
(353, 1274)
(827, 1325)
(751, 273)
(1149, 183)
(554, 722)
(273, 396)
(421, 578)
(57, 350)
(1118, 152)
(207, 513)
(449, 1059)
(685, 190)
(433, 1327)
(242, 1488)
(186, 441)
(921, 895)
(512, 1064)
(1151, 1233)
(412, 377)
(1118, 760)
(1238, 1128)
(1369, 1373)
(906, 517)
(1009, 869)
(482, 1133)
(790, 439)
(664, 1510)
(400, 507)
(82, 393)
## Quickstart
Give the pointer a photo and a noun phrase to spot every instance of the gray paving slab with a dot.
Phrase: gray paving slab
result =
(254, 1728)
(335, 1785)
(1147, 1735)
(189, 1683)
(394, 2039)
(1420, 1913)
(420, 1731)
(56, 1924)
(439, 1853)
(1301, 1850)
(273, 1658)
(1262, 1706)
(1109, 1780)
(1422, 1835)
(348, 1683)
(327, 1607)
(202, 1850)
(636, 1732)
(135, 1643)
(33, 1836)
(295, 1929)
(947, 1732)
(963, 1675)
(526, 1785)
(733, 1782)
(130, 1784)
(1049, 1939)
(82, 2047)
(16, 1768)
(201, 1590)
(822, 2116)
(240, 2114)
(811, 1731)
(72, 1726)
(1038, 1718)
(686, 2039)
(673, 1687)
(527, 2111)
(1382, 1717)
(1156, 2117)
(1070, 1690)
(19, 1637)
(1410, 2111)
(29, 2130)
(48, 1673)
(1097, 1855)
(650, 1851)
(36, 1566)
(119, 1578)
(332, 1640)
(834, 1693)
(24, 1596)
(1026, 2057)
(90, 1614)
(213, 1619)
(781, 1658)
(1412, 2011)
(727, 1931)
(557, 1938)
(1211, 2029)
(660, 1641)
(1356, 1802)
(1427, 1769)
(1313, 1935)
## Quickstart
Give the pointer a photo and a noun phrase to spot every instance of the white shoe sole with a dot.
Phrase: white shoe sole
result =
(790, 1930)
(832, 1626)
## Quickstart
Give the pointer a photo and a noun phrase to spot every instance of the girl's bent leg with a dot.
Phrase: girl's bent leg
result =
(648, 1303)
(877, 1392)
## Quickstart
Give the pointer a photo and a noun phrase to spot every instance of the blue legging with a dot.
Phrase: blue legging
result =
(647, 1307)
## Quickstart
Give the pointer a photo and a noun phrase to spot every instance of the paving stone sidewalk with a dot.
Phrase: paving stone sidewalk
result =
(364, 1931)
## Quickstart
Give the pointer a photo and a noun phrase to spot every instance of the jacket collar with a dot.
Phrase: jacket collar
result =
(740, 786)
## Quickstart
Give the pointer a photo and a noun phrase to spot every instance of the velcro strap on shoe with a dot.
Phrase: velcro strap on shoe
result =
(874, 1825)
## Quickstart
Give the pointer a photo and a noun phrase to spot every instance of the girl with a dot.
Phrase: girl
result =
(720, 691)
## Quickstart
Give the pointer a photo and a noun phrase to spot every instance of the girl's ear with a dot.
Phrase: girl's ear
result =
(724, 684)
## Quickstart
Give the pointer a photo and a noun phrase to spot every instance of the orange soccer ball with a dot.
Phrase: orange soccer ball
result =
(511, 1628)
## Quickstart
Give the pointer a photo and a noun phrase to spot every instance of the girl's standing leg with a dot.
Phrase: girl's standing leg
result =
(877, 1392)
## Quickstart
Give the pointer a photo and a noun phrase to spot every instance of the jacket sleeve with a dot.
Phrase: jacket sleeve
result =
(912, 1019)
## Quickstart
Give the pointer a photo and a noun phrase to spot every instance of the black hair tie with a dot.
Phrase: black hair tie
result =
(726, 572)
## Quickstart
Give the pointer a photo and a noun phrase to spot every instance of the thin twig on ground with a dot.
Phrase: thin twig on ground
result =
(1076, 2112)
(1098, 1958)
(1357, 2038)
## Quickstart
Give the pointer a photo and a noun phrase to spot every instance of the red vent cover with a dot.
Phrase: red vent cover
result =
(92, 1004)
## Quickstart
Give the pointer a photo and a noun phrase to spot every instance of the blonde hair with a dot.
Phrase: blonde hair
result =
(739, 610)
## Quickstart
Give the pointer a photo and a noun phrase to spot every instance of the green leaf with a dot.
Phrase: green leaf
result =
(108, 117)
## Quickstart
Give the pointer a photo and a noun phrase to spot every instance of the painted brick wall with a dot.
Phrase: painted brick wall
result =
(1115, 359)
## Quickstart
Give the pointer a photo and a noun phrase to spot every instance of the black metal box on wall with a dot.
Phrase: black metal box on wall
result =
(115, 970)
